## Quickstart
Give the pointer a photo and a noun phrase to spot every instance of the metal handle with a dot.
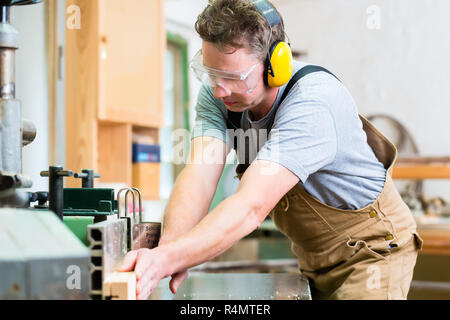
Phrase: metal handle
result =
(140, 205)
(128, 190)
(134, 204)
(87, 177)
(56, 176)
(118, 200)
(59, 173)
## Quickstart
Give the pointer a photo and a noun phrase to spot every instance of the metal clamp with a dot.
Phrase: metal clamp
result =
(128, 190)
(145, 234)
(87, 178)
(140, 234)
(140, 205)
(130, 221)
(56, 188)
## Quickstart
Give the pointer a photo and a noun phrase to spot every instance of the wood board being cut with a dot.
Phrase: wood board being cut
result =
(120, 286)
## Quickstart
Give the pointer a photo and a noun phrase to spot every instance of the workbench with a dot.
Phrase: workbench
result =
(432, 271)
(234, 286)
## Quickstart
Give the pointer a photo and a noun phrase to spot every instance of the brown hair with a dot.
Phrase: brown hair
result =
(237, 24)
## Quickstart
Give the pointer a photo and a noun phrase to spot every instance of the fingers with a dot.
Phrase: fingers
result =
(147, 291)
(142, 282)
(177, 280)
(129, 262)
(143, 263)
(146, 274)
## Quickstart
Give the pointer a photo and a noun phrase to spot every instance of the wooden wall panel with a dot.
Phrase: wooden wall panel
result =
(81, 91)
(114, 152)
(114, 81)
(146, 177)
(132, 49)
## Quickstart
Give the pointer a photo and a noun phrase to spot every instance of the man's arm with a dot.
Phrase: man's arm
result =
(261, 187)
(194, 188)
(193, 192)
(196, 185)
(235, 218)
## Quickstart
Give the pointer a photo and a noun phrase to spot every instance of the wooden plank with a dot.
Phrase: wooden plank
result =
(435, 241)
(82, 90)
(131, 65)
(420, 167)
(420, 172)
(120, 286)
(423, 160)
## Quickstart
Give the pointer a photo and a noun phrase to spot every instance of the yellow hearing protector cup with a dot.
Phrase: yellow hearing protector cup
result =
(279, 68)
(279, 63)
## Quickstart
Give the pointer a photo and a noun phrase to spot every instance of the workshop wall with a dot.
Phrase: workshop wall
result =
(391, 55)
(31, 87)
(382, 50)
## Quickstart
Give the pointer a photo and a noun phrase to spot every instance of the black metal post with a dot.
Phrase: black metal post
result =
(88, 182)
(87, 177)
(56, 189)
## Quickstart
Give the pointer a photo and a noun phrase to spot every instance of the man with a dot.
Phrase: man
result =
(323, 174)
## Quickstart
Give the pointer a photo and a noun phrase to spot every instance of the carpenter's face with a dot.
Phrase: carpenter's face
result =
(240, 60)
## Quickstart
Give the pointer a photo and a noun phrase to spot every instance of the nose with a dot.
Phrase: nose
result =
(220, 91)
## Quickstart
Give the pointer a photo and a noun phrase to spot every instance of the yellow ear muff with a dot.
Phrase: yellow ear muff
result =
(282, 65)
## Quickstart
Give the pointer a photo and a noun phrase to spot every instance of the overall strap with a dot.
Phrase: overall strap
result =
(234, 118)
(299, 75)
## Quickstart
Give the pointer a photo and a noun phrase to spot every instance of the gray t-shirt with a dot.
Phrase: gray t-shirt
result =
(316, 134)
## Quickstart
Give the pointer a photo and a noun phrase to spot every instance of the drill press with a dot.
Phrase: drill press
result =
(14, 132)
(37, 252)
(39, 248)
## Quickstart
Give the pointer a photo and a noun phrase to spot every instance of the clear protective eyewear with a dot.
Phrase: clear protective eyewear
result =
(236, 82)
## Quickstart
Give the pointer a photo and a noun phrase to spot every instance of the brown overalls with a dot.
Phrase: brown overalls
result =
(353, 254)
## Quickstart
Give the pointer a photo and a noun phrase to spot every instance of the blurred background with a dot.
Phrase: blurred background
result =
(107, 85)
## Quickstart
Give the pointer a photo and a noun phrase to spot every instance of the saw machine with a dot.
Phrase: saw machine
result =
(58, 244)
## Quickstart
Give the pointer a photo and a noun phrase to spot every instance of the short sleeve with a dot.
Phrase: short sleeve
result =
(303, 138)
(209, 121)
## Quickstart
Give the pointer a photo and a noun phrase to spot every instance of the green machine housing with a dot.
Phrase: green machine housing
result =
(86, 206)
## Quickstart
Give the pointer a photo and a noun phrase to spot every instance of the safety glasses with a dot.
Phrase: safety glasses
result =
(233, 82)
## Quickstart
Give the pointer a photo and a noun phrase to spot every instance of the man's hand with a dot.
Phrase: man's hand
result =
(149, 266)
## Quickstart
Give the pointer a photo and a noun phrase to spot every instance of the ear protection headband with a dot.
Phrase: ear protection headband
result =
(278, 65)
